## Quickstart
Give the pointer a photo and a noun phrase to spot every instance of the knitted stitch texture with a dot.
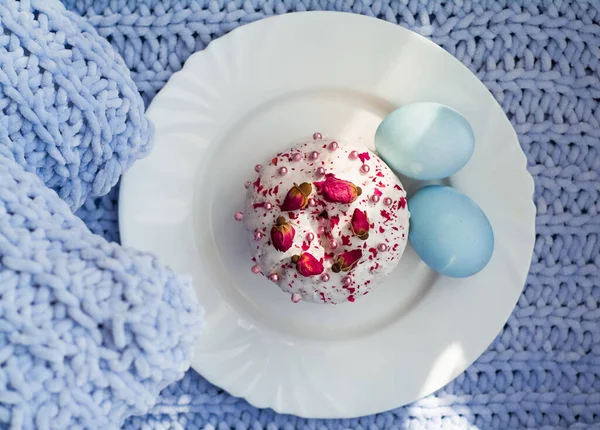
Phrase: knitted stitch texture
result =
(89, 332)
(70, 111)
(540, 59)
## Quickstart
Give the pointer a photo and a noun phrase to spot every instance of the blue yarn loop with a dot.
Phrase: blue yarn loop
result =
(70, 111)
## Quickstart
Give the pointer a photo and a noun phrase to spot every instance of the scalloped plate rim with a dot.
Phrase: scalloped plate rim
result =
(524, 177)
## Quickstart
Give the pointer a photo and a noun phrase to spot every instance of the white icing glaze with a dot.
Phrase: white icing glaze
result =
(388, 224)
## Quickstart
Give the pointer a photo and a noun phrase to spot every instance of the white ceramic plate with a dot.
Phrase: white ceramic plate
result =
(256, 91)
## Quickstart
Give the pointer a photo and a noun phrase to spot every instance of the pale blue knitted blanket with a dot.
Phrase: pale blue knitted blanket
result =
(541, 60)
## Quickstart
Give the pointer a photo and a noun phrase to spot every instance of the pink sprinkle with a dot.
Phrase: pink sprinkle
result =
(364, 169)
(239, 216)
(258, 167)
(256, 269)
(283, 171)
(297, 157)
(375, 198)
(320, 171)
(333, 146)
(313, 155)
(247, 184)
(325, 277)
(353, 155)
(317, 136)
(364, 156)
(296, 297)
(387, 201)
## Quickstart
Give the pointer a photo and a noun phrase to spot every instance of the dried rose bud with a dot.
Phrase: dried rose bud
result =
(307, 264)
(282, 234)
(346, 260)
(336, 190)
(360, 224)
(297, 197)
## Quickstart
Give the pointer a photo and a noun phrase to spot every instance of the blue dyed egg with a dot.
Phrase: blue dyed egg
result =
(426, 141)
(449, 231)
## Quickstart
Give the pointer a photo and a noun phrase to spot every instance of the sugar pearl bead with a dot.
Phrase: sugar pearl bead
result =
(375, 198)
(274, 277)
(239, 216)
(333, 244)
(247, 184)
(297, 157)
(324, 277)
(313, 155)
(387, 201)
(364, 169)
(317, 136)
(283, 171)
(320, 171)
(310, 237)
(258, 235)
(346, 280)
(258, 167)
(256, 269)
(382, 247)
(353, 155)
(268, 206)
(333, 146)
(296, 297)
(321, 229)
(312, 202)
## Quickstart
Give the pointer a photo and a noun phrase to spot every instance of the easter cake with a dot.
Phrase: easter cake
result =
(326, 221)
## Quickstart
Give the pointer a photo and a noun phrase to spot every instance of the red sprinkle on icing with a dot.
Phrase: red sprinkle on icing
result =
(333, 221)
(258, 205)
(276, 189)
(364, 156)
(377, 192)
(395, 247)
(402, 202)
(345, 240)
(373, 251)
(351, 299)
(328, 256)
(274, 161)
(381, 229)
(385, 214)
(398, 187)
(305, 246)
(380, 174)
